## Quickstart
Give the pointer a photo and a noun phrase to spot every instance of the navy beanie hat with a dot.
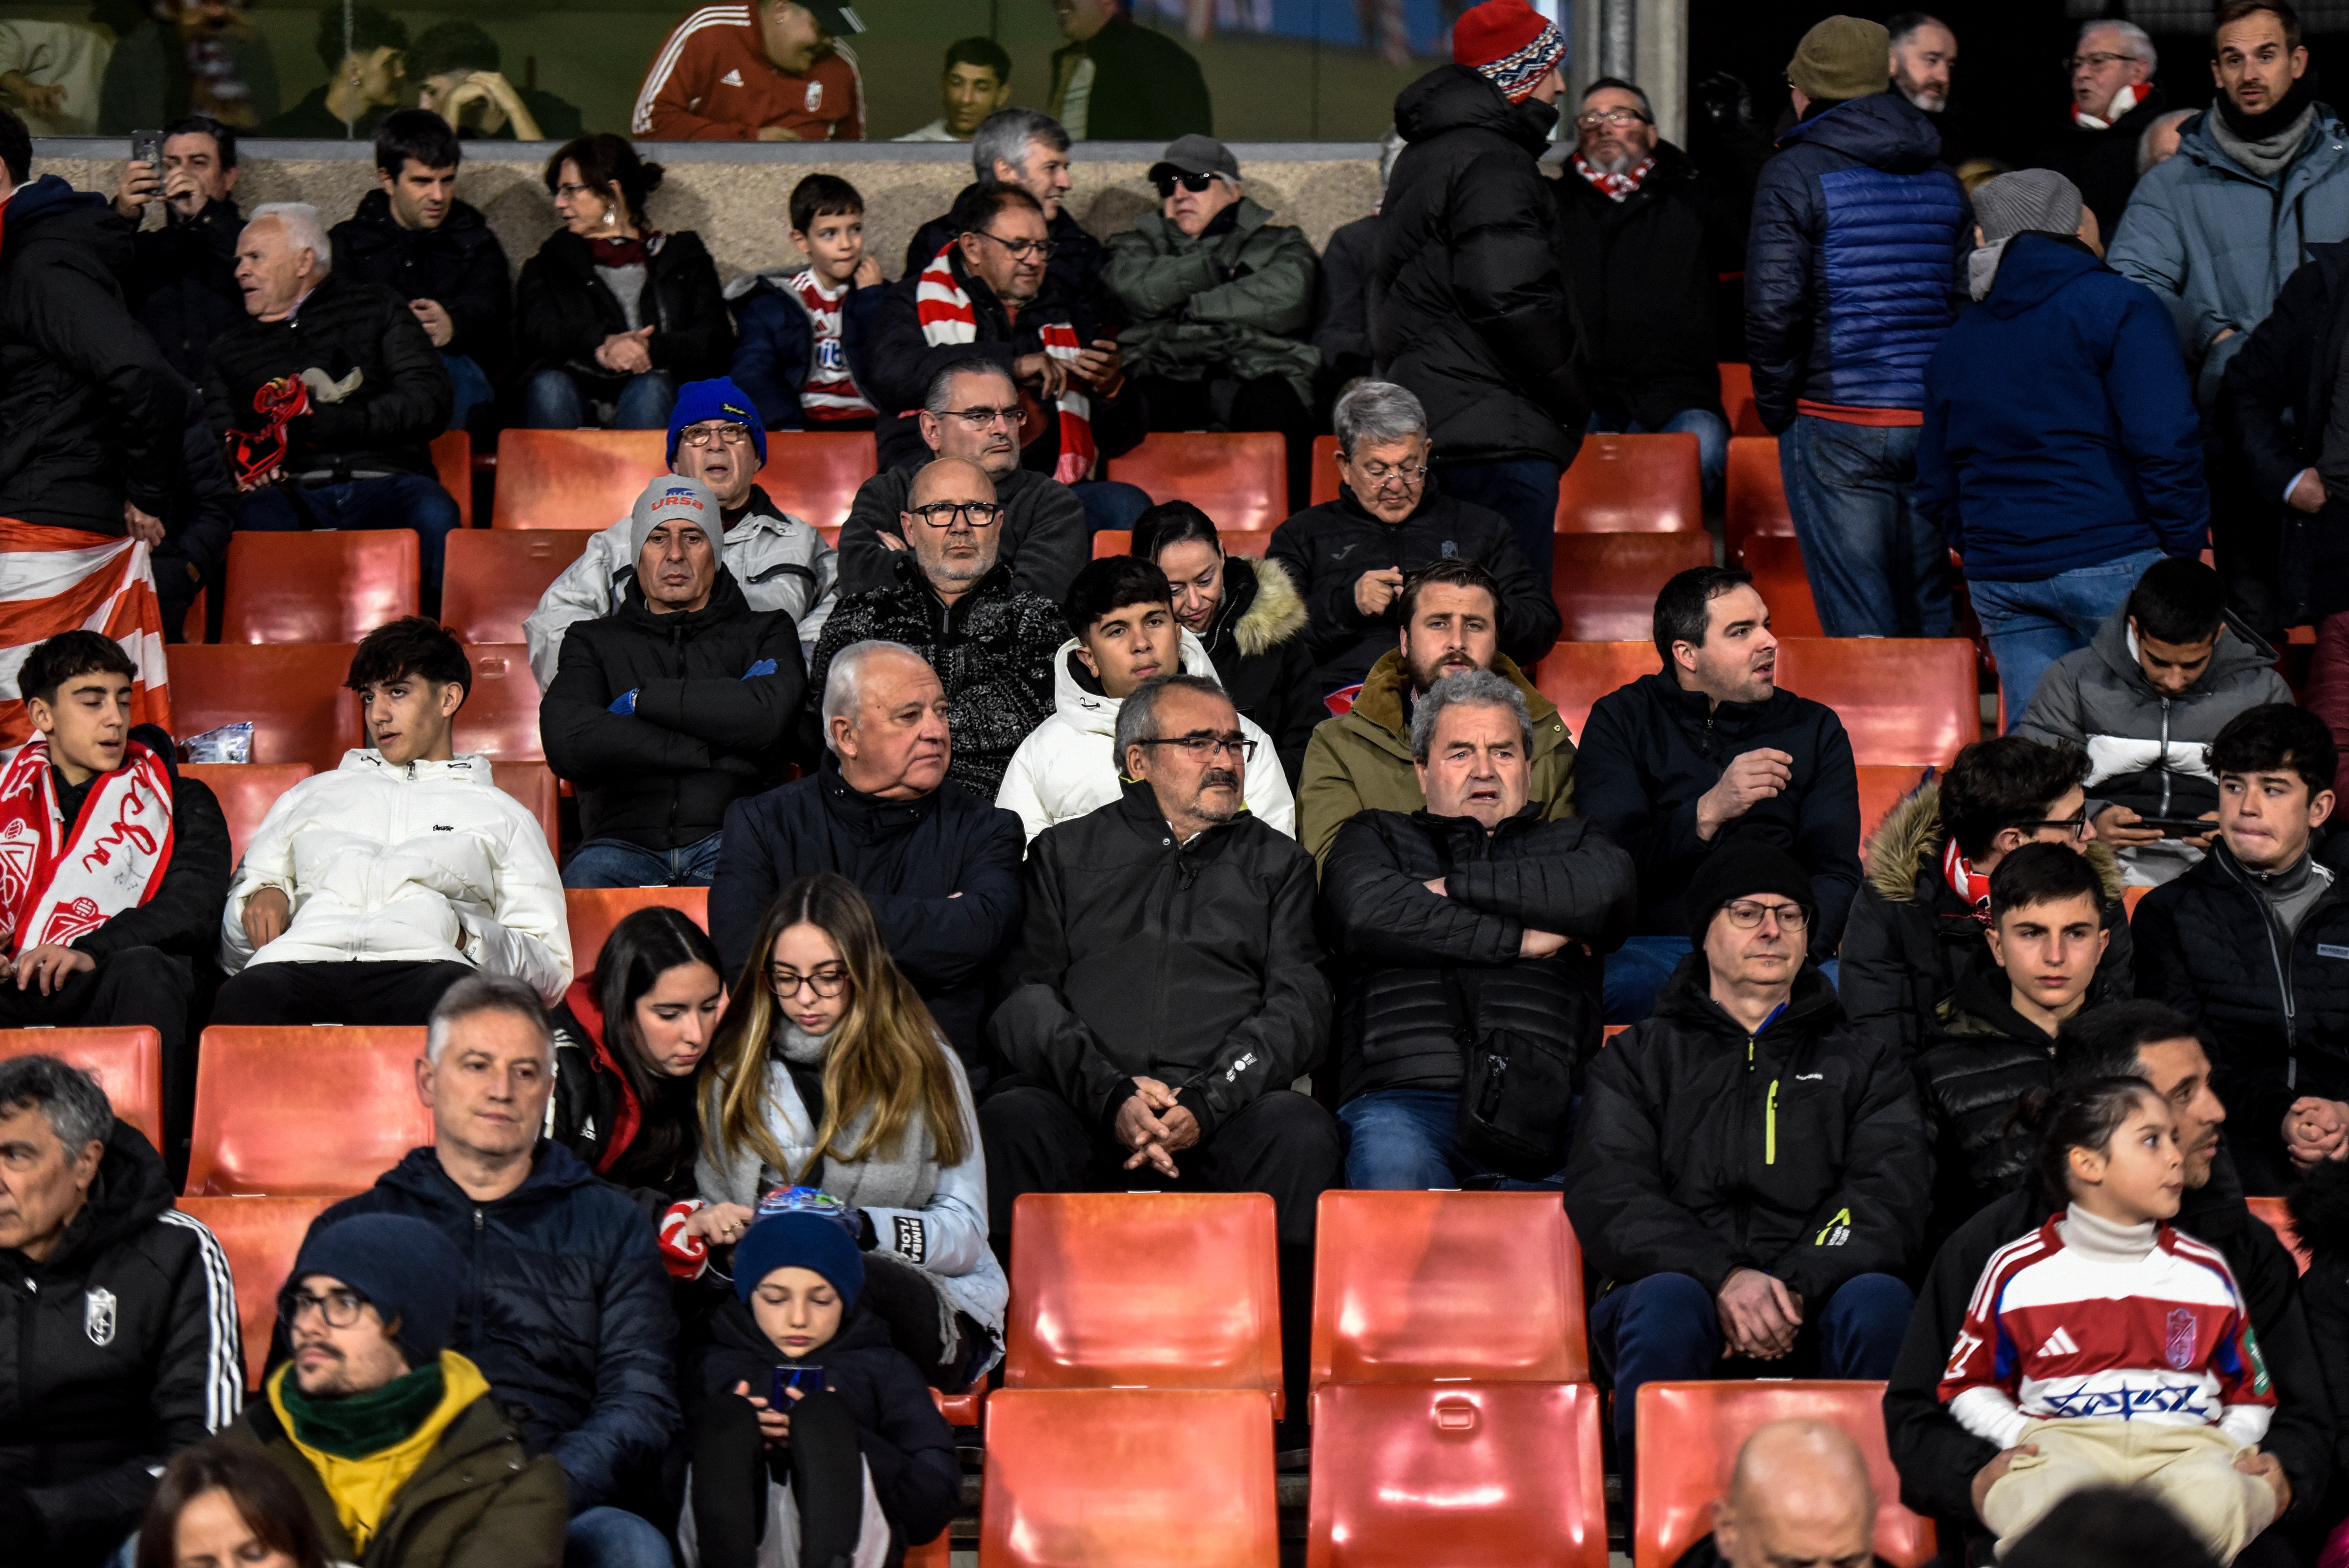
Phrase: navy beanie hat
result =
(817, 1242)
(412, 1274)
(1740, 867)
(718, 399)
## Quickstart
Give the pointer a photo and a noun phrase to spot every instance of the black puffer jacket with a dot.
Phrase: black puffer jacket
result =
(459, 265)
(1468, 306)
(182, 282)
(122, 1349)
(1399, 1025)
(90, 413)
(2320, 1212)
(564, 312)
(1702, 1149)
(705, 730)
(385, 425)
(600, 1117)
(1259, 646)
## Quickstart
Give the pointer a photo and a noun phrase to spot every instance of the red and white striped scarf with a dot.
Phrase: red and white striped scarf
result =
(943, 307)
(1616, 186)
(55, 580)
(60, 880)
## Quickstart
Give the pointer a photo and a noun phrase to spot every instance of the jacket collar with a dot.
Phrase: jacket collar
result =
(1811, 1006)
(997, 583)
(1695, 707)
(868, 817)
(555, 1170)
(1381, 701)
(1138, 804)
(726, 604)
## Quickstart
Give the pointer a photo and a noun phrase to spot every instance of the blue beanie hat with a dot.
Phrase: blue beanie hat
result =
(412, 1274)
(718, 399)
(800, 1239)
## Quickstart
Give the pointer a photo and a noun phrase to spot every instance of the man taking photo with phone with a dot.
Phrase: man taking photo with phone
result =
(182, 282)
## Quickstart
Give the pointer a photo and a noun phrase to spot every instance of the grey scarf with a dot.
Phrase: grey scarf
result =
(1981, 267)
(2269, 156)
(903, 1177)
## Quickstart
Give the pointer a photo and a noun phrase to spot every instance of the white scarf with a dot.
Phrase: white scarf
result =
(61, 881)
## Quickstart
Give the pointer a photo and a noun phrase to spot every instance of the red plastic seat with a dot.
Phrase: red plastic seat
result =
(452, 464)
(532, 784)
(591, 912)
(300, 1111)
(494, 577)
(1159, 1290)
(1128, 1478)
(1689, 1437)
(1605, 583)
(499, 718)
(1575, 675)
(246, 791)
(294, 695)
(1254, 543)
(814, 475)
(1238, 478)
(324, 587)
(1326, 482)
(1471, 1475)
(1911, 700)
(590, 478)
(1882, 788)
(2278, 1215)
(1776, 562)
(128, 1064)
(261, 1237)
(1409, 1287)
(2131, 897)
(1755, 493)
(1737, 400)
(1632, 484)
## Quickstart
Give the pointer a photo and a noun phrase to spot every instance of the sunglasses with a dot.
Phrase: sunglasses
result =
(1194, 183)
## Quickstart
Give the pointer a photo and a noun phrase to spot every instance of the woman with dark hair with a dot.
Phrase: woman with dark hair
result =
(1251, 619)
(829, 1073)
(613, 315)
(221, 1503)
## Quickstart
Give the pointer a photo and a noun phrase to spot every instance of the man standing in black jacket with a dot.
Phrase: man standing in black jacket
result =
(182, 282)
(1117, 81)
(675, 706)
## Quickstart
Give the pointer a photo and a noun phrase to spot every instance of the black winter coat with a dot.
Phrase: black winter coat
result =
(183, 917)
(2103, 163)
(567, 1311)
(704, 732)
(1326, 549)
(1652, 749)
(91, 413)
(2320, 1214)
(459, 265)
(1192, 963)
(1263, 653)
(2274, 403)
(1146, 87)
(600, 1119)
(564, 312)
(385, 425)
(182, 282)
(122, 1349)
(1075, 265)
(1405, 949)
(1342, 301)
(202, 513)
(1468, 306)
(909, 858)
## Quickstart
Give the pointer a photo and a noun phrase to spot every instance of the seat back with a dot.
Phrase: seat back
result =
(1633, 484)
(1471, 1475)
(1161, 1290)
(261, 1237)
(1737, 400)
(1912, 701)
(127, 1062)
(326, 587)
(1326, 482)
(1575, 675)
(591, 912)
(1128, 1478)
(499, 718)
(1689, 1435)
(1238, 478)
(2276, 1214)
(532, 784)
(1412, 1286)
(1776, 562)
(1606, 584)
(1254, 543)
(294, 695)
(303, 1110)
(1754, 494)
(1881, 788)
(453, 465)
(574, 479)
(246, 791)
(495, 577)
(814, 475)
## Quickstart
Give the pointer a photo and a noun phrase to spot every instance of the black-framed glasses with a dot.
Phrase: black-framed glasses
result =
(2096, 61)
(2076, 827)
(1195, 184)
(727, 434)
(827, 981)
(1591, 119)
(1020, 249)
(1746, 914)
(970, 513)
(340, 1308)
(980, 418)
(1206, 747)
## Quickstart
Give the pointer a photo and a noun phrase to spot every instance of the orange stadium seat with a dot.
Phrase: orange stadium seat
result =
(1128, 1478)
(1755, 500)
(494, 577)
(1632, 484)
(533, 784)
(1737, 400)
(1689, 1437)
(590, 478)
(1254, 543)
(1459, 1473)
(300, 1111)
(1911, 700)
(1779, 577)
(499, 718)
(292, 694)
(1238, 478)
(452, 464)
(1326, 482)
(591, 912)
(1605, 583)
(331, 586)
(2131, 897)
(1882, 788)
(128, 1064)
(261, 1237)
(2277, 1213)
(1575, 675)
(246, 791)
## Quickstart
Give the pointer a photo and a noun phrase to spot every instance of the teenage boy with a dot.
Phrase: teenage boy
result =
(804, 330)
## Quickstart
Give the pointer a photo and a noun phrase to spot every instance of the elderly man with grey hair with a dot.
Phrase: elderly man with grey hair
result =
(1026, 148)
(2115, 101)
(566, 1306)
(1471, 932)
(938, 862)
(1348, 557)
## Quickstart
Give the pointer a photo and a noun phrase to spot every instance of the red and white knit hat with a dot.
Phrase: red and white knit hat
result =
(1510, 43)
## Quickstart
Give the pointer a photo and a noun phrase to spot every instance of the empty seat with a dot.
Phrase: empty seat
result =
(293, 695)
(1255, 542)
(261, 1237)
(128, 1064)
(1776, 562)
(499, 718)
(1128, 1478)
(1575, 675)
(326, 587)
(246, 791)
(1238, 478)
(1161, 1290)
(2277, 1213)
(1913, 700)
(1632, 484)
(1881, 790)
(591, 912)
(452, 464)
(1755, 493)
(1326, 482)
(299, 1111)
(495, 577)
(1470, 1475)
(1737, 400)
(591, 478)
(814, 475)
(1605, 583)
(532, 784)
(1689, 1437)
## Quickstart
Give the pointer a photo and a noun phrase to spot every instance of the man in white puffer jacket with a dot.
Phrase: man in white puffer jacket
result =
(1122, 610)
(369, 891)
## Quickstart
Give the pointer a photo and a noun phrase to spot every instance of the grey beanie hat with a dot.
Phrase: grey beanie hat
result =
(2027, 201)
(669, 499)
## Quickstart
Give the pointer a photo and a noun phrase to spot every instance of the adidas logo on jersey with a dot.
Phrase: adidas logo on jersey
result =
(2059, 1344)
(731, 79)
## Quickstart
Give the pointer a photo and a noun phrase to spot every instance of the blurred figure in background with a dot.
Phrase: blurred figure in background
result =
(366, 53)
(977, 83)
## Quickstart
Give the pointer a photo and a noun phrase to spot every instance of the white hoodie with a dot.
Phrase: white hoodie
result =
(1068, 764)
(425, 863)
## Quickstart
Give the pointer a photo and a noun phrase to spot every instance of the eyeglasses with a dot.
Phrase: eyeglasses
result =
(1380, 475)
(980, 418)
(340, 1308)
(572, 192)
(727, 435)
(1020, 249)
(2076, 827)
(1206, 747)
(1594, 118)
(1195, 184)
(1745, 915)
(970, 513)
(2096, 62)
(827, 981)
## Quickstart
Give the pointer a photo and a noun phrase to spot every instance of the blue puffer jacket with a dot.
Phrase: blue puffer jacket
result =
(2059, 426)
(1852, 264)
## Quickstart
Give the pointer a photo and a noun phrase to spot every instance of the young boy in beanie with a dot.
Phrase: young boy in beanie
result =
(853, 1462)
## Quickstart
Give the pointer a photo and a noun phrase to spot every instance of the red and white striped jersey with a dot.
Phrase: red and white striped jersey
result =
(831, 392)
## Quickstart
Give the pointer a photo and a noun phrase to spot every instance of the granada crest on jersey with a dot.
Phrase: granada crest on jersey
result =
(2179, 1349)
(97, 1316)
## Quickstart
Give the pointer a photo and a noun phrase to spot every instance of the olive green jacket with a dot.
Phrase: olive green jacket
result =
(1234, 303)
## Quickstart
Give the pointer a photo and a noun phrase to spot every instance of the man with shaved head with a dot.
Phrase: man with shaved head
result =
(1799, 1498)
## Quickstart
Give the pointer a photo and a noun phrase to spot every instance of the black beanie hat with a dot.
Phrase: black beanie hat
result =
(412, 1274)
(1741, 866)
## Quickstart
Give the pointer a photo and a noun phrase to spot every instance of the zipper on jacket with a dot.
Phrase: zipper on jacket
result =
(1770, 1127)
(2280, 957)
(2164, 763)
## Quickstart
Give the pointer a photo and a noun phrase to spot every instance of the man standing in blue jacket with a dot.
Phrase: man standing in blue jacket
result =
(2059, 453)
(1851, 278)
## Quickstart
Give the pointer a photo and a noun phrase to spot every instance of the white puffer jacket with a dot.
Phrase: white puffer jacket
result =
(1068, 764)
(422, 863)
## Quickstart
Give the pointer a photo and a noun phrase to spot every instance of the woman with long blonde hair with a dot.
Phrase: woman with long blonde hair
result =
(828, 1072)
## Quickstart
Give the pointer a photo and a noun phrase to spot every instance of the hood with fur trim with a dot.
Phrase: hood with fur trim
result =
(1906, 850)
(1276, 614)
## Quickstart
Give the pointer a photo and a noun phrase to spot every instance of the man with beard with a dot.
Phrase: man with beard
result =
(1924, 56)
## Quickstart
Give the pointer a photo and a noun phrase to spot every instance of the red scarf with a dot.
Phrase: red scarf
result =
(256, 456)
(1616, 186)
(609, 252)
(943, 307)
(2123, 102)
(60, 880)
(1966, 883)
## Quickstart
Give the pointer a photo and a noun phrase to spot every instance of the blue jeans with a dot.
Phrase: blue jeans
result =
(470, 384)
(1524, 491)
(1111, 503)
(550, 400)
(1636, 973)
(1877, 569)
(2032, 625)
(1399, 1140)
(1711, 431)
(612, 1538)
(615, 863)
(402, 500)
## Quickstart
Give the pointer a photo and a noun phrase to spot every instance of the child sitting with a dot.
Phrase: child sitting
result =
(804, 330)
(2108, 1347)
(815, 1442)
